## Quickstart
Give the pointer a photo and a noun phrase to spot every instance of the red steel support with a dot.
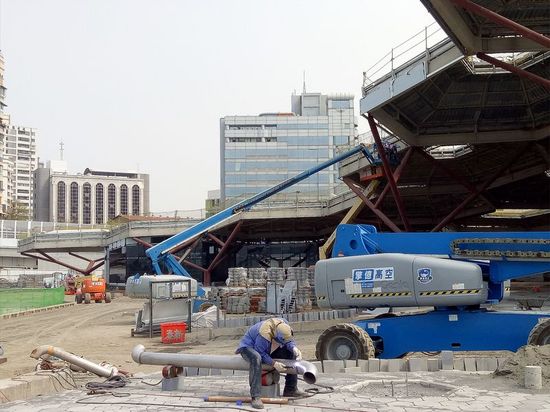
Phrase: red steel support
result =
(215, 239)
(193, 265)
(93, 264)
(498, 19)
(514, 69)
(479, 190)
(396, 176)
(388, 172)
(221, 253)
(359, 192)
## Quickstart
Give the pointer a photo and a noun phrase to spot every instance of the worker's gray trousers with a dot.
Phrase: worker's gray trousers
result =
(255, 372)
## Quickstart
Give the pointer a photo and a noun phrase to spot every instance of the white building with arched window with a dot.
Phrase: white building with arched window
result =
(93, 197)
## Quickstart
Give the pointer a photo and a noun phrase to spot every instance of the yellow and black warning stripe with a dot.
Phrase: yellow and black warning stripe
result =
(379, 295)
(507, 289)
(321, 297)
(450, 292)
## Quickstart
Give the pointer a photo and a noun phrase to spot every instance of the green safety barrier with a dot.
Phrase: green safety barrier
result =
(17, 300)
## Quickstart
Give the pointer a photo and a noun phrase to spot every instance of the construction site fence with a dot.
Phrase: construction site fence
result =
(18, 300)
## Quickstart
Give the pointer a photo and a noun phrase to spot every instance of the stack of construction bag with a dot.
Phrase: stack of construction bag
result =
(303, 289)
(257, 277)
(276, 275)
(237, 277)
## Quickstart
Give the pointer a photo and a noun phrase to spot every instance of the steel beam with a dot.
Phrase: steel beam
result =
(514, 158)
(215, 239)
(351, 214)
(388, 172)
(514, 69)
(359, 192)
(47, 258)
(396, 175)
(503, 21)
(221, 253)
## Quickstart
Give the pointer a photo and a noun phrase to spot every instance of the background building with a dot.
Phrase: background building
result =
(258, 152)
(94, 197)
(20, 156)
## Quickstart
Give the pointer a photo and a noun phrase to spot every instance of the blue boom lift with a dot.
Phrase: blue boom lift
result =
(459, 274)
(161, 251)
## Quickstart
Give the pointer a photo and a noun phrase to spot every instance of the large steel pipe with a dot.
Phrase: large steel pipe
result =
(99, 370)
(235, 362)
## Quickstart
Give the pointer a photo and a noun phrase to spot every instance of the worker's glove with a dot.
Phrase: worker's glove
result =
(279, 367)
(297, 353)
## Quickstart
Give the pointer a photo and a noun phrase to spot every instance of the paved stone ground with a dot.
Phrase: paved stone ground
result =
(437, 391)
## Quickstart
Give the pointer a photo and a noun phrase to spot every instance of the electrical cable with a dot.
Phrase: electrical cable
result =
(114, 382)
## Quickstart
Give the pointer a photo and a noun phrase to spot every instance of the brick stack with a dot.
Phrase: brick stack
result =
(237, 277)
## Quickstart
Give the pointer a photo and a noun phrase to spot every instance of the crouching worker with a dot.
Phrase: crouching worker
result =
(263, 342)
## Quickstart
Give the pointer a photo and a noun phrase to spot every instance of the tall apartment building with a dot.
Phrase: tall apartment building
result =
(94, 197)
(20, 152)
(257, 152)
(4, 122)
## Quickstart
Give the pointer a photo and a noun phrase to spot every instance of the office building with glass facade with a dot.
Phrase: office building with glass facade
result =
(257, 152)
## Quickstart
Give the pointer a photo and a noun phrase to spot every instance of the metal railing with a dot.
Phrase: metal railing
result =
(404, 52)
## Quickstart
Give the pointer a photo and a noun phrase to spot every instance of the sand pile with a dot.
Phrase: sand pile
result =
(527, 356)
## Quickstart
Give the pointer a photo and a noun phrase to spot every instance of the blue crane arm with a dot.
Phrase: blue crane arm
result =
(161, 251)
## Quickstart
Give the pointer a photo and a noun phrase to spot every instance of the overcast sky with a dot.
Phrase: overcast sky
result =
(141, 85)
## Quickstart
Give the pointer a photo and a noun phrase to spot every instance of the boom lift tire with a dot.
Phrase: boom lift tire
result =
(540, 334)
(107, 297)
(78, 298)
(87, 298)
(344, 341)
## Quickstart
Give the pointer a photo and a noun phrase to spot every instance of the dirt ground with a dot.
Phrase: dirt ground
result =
(101, 332)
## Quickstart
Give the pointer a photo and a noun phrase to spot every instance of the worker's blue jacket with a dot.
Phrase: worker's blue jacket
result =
(260, 337)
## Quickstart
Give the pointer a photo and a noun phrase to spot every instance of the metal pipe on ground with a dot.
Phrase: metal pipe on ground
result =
(235, 362)
(73, 359)
(231, 399)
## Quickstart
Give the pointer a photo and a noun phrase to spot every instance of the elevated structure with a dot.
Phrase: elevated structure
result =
(493, 110)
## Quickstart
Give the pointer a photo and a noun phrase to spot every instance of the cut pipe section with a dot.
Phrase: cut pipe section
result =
(235, 362)
(73, 359)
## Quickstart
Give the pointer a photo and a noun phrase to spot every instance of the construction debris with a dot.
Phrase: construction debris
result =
(513, 367)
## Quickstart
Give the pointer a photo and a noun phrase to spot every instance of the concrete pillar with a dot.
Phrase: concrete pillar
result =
(533, 377)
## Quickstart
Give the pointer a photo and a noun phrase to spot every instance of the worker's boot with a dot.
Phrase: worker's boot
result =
(293, 393)
(257, 403)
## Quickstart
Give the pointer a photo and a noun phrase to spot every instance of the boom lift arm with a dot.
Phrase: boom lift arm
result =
(161, 251)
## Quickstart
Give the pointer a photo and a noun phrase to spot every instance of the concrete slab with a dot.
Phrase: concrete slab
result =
(433, 365)
(333, 366)
(363, 364)
(191, 371)
(447, 358)
(458, 364)
(352, 369)
(384, 363)
(470, 365)
(418, 364)
(350, 363)
(394, 365)
(374, 365)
